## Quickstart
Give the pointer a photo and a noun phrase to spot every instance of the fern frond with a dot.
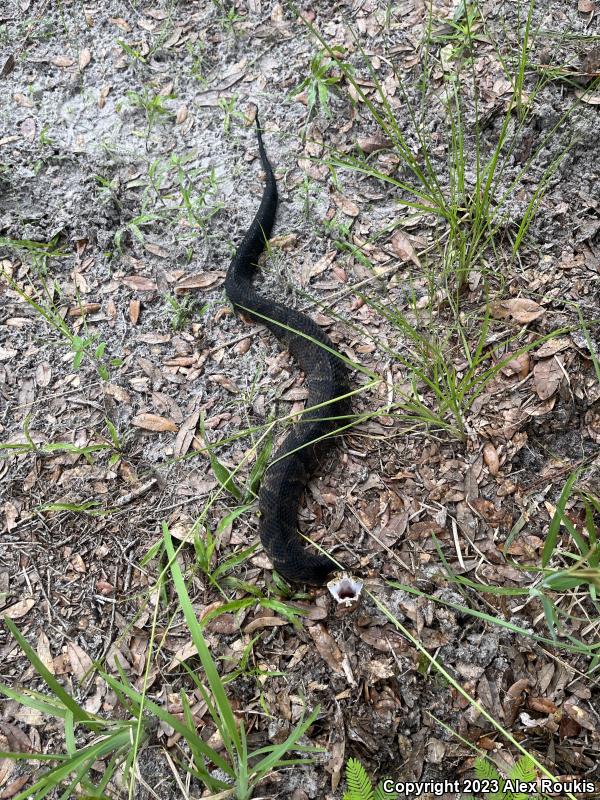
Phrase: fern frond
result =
(359, 785)
(523, 770)
(381, 794)
(485, 770)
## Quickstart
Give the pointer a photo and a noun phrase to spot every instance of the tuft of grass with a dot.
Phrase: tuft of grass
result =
(450, 354)
(235, 771)
(44, 302)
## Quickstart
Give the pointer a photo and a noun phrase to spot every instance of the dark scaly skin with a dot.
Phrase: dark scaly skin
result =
(326, 377)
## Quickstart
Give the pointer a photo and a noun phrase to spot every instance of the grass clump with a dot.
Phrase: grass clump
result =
(235, 770)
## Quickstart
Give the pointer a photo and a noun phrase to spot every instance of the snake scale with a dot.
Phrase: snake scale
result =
(326, 376)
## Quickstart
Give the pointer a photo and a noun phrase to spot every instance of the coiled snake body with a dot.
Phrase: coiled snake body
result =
(326, 377)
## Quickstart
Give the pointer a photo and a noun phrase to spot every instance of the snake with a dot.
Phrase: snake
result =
(327, 405)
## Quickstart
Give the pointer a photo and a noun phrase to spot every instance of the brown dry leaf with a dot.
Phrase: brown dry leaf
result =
(23, 101)
(85, 56)
(346, 205)
(62, 61)
(542, 704)
(11, 515)
(518, 366)
(521, 309)
(586, 6)
(8, 66)
(117, 392)
(547, 377)
(403, 248)
(553, 346)
(43, 651)
(490, 456)
(18, 609)
(83, 309)
(370, 144)
(200, 280)
(187, 431)
(336, 747)
(13, 788)
(102, 95)
(514, 700)
(580, 715)
(7, 765)
(134, 311)
(327, 647)
(140, 284)
(43, 373)
(586, 97)
(181, 115)
(225, 382)
(81, 663)
(157, 250)
(264, 622)
(287, 242)
(154, 422)
(188, 650)
(27, 128)
(120, 23)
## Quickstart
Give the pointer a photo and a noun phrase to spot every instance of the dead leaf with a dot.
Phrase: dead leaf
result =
(102, 95)
(11, 515)
(553, 346)
(514, 700)
(517, 366)
(547, 377)
(18, 609)
(154, 422)
(134, 311)
(157, 250)
(85, 56)
(13, 788)
(140, 284)
(264, 622)
(403, 248)
(117, 392)
(8, 66)
(586, 97)
(27, 128)
(521, 309)
(580, 715)
(83, 309)
(200, 280)
(346, 205)
(81, 663)
(370, 144)
(120, 23)
(43, 651)
(181, 115)
(586, 6)
(62, 61)
(7, 765)
(327, 647)
(490, 456)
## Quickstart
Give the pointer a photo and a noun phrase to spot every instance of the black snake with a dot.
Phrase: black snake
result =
(326, 376)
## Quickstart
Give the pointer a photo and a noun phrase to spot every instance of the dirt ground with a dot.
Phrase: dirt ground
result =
(144, 201)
